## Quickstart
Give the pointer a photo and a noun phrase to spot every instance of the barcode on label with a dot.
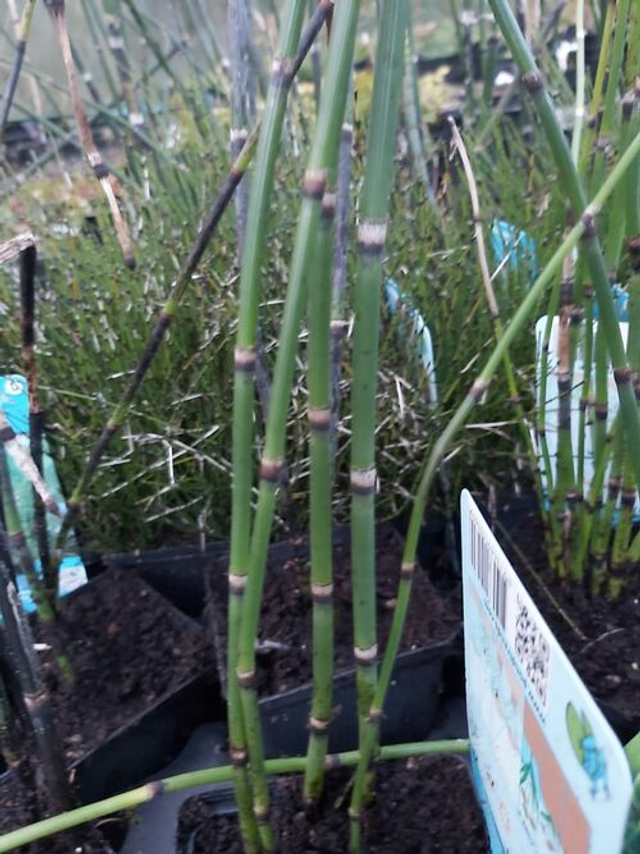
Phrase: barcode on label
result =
(491, 577)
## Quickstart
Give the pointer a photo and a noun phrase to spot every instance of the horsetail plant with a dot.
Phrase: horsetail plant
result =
(608, 338)
(372, 230)
(578, 528)
(284, 69)
(320, 504)
(368, 745)
(322, 159)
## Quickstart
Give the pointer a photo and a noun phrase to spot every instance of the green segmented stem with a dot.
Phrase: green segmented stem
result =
(209, 776)
(374, 213)
(244, 390)
(323, 157)
(321, 529)
(592, 252)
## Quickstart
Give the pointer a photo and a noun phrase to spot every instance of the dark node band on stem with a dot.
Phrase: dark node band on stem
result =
(239, 757)
(155, 789)
(622, 375)
(628, 497)
(329, 201)
(237, 584)
(601, 411)
(245, 359)
(533, 81)
(100, 170)
(246, 679)
(407, 570)
(588, 220)
(319, 726)
(35, 702)
(366, 657)
(478, 389)
(271, 470)
(372, 236)
(261, 813)
(322, 594)
(319, 418)
(283, 71)
(314, 184)
(363, 481)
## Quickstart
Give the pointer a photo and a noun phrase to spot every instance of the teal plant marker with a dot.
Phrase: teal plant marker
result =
(397, 302)
(550, 773)
(514, 248)
(14, 404)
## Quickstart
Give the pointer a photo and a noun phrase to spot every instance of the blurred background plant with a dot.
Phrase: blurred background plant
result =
(158, 99)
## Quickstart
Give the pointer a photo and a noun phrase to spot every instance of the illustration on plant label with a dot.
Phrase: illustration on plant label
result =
(587, 752)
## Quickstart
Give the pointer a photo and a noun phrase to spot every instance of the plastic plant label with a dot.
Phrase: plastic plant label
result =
(550, 773)
(551, 402)
(14, 402)
(397, 302)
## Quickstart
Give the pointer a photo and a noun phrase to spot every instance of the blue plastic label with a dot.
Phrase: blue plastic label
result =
(14, 402)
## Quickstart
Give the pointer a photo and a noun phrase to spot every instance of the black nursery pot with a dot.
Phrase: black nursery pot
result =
(413, 696)
(150, 739)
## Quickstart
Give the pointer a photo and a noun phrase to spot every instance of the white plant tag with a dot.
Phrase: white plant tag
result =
(551, 409)
(550, 773)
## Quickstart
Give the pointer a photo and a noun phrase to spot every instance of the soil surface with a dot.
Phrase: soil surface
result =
(285, 620)
(421, 806)
(128, 648)
(601, 637)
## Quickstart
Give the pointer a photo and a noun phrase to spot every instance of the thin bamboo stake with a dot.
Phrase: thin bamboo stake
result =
(323, 157)
(372, 230)
(455, 424)
(24, 28)
(176, 295)
(208, 777)
(592, 251)
(101, 171)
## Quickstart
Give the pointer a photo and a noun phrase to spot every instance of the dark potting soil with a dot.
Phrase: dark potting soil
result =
(285, 659)
(421, 805)
(600, 636)
(128, 648)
